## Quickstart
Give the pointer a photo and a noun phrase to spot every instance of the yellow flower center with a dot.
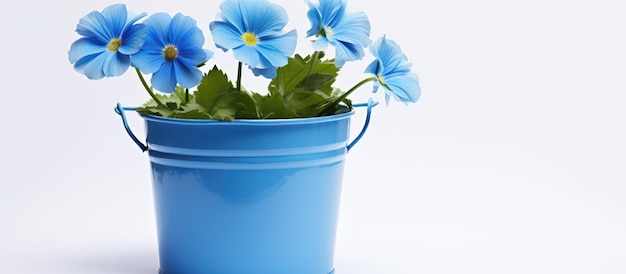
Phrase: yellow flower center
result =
(170, 52)
(381, 79)
(328, 31)
(114, 44)
(249, 39)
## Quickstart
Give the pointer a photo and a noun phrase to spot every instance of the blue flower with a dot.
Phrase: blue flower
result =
(109, 38)
(393, 71)
(172, 52)
(253, 29)
(347, 31)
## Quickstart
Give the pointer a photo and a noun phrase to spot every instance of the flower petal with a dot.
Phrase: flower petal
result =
(149, 59)
(132, 19)
(247, 55)
(209, 54)
(268, 73)
(93, 69)
(405, 88)
(192, 56)
(184, 33)
(375, 86)
(276, 49)
(187, 75)
(116, 16)
(391, 54)
(353, 28)
(321, 44)
(230, 13)
(164, 80)
(315, 18)
(116, 64)
(330, 11)
(84, 47)
(133, 39)
(347, 52)
(373, 67)
(158, 28)
(225, 35)
(94, 25)
(81, 63)
(262, 17)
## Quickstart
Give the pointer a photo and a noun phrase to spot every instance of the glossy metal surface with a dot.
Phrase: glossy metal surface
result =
(247, 197)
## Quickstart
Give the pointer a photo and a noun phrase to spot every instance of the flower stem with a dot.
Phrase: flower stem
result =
(148, 88)
(345, 95)
(314, 58)
(239, 76)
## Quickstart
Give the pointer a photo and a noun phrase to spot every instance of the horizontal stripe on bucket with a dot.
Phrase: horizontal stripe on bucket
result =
(247, 152)
(245, 166)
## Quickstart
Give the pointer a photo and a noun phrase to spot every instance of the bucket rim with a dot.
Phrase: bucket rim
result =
(260, 122)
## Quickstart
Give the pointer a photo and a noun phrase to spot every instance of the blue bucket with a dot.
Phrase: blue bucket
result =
(248, 196)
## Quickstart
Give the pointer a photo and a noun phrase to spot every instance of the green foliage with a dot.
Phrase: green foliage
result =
(216, 94)
(297, 91)
(179, 104)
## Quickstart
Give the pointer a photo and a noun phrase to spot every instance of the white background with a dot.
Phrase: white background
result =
(513, 160)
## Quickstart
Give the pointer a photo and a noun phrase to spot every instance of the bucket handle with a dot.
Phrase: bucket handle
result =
(120, 111)
(370, 104)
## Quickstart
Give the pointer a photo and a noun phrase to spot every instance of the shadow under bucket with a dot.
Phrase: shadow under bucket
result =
(248, 196)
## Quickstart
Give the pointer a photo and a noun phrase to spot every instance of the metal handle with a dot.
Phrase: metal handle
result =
(370, 104)
(120, 111)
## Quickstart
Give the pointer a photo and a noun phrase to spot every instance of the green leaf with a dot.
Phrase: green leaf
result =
(223, 109)
(315, 81)
(216, 93)
(170, 102)
(246, 105)
(333, 106)
(191, 110)
(272, 106)
(181, 95)
(214, 85)
(307, 103)
(158, 111)
(297, 90)
(288, 77)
